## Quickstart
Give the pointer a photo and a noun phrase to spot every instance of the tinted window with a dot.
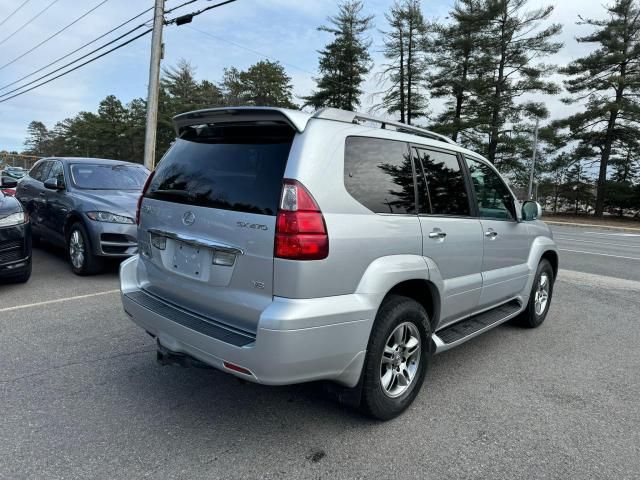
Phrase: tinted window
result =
(446, 189)
(230, 167)
(56, 172)
(108, 177)
(378, 174)
(493, 196)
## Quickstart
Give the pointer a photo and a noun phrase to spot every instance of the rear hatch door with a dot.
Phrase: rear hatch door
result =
(207, 220)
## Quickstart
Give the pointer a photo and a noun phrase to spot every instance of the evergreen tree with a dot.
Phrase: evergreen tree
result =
(267, 84)
(457, 73)
(511, 46)
(404, 48)
(609, 78)
(345, 61)
(37, 141)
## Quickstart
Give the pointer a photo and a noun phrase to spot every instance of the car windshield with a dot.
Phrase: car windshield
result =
(108, 177)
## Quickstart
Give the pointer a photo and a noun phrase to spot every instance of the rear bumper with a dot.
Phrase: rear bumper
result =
(296, 340)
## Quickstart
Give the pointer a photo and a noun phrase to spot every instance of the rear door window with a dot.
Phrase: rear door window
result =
(446, 189)
(233, 167)
(378, 173)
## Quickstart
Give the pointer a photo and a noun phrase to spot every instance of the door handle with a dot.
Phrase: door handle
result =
(439, 234)
(491, 234)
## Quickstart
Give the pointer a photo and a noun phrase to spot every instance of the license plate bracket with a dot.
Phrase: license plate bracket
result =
(188, 259)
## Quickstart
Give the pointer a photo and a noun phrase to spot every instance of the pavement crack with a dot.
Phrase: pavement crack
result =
(73, 364)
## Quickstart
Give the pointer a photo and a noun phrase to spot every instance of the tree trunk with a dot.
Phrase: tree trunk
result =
(409, 70)
(403, 105)
(497, 97)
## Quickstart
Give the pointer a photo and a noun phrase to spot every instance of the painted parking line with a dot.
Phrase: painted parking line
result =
(58, 300)
(557, 237)
(592, 253)
(615, 234)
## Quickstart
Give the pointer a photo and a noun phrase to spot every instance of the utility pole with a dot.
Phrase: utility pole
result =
(533, 159)
(154, 86)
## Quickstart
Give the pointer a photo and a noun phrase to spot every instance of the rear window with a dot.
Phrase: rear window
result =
(233, 167)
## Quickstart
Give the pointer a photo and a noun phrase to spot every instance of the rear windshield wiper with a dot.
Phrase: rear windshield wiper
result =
(177, 193)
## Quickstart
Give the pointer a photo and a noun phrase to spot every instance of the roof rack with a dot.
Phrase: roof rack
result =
(354, 117)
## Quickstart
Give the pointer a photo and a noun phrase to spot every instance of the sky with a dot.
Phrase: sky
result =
(238, 34)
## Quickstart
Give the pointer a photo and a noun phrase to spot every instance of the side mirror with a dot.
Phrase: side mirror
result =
(53, 184)
(531, 211)
(8, 182)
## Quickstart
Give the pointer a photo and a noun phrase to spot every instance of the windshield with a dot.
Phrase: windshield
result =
(109, 177)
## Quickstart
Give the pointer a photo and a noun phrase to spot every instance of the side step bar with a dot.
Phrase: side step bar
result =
(453, 335)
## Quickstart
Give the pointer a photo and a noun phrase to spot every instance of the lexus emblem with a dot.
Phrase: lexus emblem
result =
(188, 218)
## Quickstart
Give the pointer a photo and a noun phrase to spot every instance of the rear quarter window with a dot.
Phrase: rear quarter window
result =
(236, 167)
(378, 173)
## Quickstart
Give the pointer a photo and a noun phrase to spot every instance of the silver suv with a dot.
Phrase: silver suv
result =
(287, 247)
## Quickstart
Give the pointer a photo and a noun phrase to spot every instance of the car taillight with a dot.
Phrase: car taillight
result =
(301, 233)
(144, 190)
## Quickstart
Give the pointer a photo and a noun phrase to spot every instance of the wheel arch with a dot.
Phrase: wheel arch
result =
(552, 257)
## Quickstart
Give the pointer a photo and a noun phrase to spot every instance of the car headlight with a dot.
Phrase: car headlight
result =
(14, 219)
(109, 217)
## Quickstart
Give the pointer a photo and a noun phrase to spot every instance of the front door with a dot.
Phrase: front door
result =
(452, 238)
(506, 241)
(54, 206)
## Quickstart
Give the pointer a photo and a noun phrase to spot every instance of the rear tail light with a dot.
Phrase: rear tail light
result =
(144, 190)
(301, 232)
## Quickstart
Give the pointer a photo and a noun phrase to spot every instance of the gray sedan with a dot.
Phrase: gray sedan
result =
(86, 205)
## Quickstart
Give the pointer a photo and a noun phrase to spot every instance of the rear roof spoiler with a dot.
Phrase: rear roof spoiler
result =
(296, 119)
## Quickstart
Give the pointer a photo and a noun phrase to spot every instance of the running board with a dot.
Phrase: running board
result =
(460, 332)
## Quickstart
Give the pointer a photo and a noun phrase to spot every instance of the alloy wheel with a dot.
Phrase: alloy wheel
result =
(400, 359)
(76, 249)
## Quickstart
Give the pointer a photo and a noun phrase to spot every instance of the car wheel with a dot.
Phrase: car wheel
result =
(540, 297)
(83, 261)
(397, 357)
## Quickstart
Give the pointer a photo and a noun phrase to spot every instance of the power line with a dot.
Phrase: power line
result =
(82, 47)
(54, 35)
(188, 17)
(29, 21)
(111, 42)
(80, 66)
(14, 12)
(8, 95)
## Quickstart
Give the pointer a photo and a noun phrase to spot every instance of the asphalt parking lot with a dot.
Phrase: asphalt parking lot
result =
(82, 395)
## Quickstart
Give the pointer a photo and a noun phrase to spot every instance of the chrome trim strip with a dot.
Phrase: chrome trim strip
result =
(197, 242)
(118, 244)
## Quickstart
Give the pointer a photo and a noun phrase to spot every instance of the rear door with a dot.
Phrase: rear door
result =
(208, 220)
(452, 238)
(506, 241)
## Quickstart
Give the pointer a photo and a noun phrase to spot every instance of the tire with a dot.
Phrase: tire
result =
(536, 311)
(396, 314)
(85, 263)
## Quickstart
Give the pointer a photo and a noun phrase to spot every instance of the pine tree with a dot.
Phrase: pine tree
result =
(267, 84)
(345, 61)
(456, 66)
(405, 44)
(609, 78)
(513, 43)
(37, 139)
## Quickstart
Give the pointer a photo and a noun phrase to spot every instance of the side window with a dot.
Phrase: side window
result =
(378, 173)
(493, 196)
(446, 189)
(39, 171)
(56, 172)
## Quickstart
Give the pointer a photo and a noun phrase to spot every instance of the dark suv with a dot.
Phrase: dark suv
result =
(86, 205)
